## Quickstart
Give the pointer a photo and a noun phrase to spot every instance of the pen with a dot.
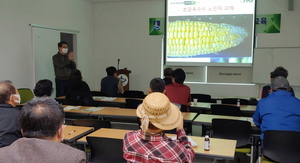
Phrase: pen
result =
(71, 132)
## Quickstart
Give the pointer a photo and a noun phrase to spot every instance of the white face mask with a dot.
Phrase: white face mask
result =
(17, 96)
(64, 50)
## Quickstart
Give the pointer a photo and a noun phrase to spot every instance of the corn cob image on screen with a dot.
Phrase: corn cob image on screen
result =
(192, 38)
(209, 32)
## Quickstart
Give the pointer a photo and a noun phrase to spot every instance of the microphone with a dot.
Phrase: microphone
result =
(118, 63)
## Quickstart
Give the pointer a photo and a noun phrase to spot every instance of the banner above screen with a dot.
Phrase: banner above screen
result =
(209, 32)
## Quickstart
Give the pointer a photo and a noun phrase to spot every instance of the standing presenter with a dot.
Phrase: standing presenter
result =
(63, 66)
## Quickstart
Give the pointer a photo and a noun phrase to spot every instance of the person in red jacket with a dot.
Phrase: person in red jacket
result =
(177, 92)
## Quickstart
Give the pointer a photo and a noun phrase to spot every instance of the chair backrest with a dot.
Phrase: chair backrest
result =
(225, 110)
(282, 146)
(25, 94)
(234, 101)
(134, 94)
(106, 149)
(184, 108)
(73, 102)
(232, 129)
(97, 93)
(202, 97)
(97, 124)
(132, 103)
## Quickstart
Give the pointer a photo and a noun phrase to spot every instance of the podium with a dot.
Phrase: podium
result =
(123, 74)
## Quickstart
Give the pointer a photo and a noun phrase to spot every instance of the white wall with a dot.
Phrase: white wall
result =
(122, 32)
(16, 52)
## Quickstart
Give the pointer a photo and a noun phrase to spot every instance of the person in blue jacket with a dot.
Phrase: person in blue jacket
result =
(279, 71)
(280, 110)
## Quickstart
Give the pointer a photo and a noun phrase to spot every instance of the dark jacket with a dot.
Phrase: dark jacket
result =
(63, 66)
(10, 128)
(109, 85)
(168, 81)
(79, 90)
(266, 89)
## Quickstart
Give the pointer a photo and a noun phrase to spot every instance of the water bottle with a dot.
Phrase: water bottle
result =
(238, 103)
(206, 143)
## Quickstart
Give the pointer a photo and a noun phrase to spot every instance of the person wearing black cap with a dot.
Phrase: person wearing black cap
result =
(280, 110)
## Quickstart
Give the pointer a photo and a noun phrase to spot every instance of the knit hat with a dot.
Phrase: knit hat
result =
(280, 82)
(157, 109)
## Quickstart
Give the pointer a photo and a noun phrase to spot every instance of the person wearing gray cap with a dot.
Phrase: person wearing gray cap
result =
(280, 110)
(279, 71)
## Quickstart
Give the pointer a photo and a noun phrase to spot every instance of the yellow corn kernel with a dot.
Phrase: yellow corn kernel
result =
(190, 38)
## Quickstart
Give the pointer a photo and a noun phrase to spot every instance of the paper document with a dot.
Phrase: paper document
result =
(108, 99)
(93, 109)
(71, 108)
(194, 144)
(247, 119)
(98, 97)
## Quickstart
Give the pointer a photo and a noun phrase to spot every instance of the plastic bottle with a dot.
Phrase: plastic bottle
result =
(238, 103)
(206, 143)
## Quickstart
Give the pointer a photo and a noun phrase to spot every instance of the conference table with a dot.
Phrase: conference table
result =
(121, 113)
(77, 110)
(71, 133)
(131, 113)
(238, 97)
(204, 106)
(206, 119)
(219, 148)
(114, 112)
(101, 98)
(106, 101)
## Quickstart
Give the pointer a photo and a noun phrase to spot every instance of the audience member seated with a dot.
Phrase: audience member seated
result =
(43, 88)
(10, 129)
(168, 75)
(279, 71)
(178, 92)
(157, 85)
(280, 110)
(111, 84)
(78, 89)
(150, 144)
(42, 127)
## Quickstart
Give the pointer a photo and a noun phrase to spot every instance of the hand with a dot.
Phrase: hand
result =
(180, 126)
(71, 56)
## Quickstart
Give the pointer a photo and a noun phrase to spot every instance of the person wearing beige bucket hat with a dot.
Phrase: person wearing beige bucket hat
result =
(150, 144)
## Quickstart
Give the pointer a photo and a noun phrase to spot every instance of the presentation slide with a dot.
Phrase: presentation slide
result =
(209, 32)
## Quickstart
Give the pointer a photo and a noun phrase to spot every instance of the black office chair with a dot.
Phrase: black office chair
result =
(225, 110)
(97, 124)
(280, 146)
(73, 102)
(202, 97)
(106, 149)
(134, 94)
(97, 93)
(234, 101)
(132, 103)
(237, 130)
(184, 108)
